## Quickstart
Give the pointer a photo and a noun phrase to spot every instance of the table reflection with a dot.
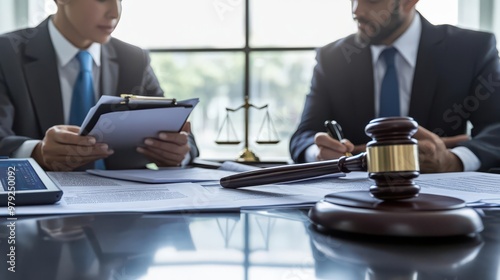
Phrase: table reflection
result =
(402, 259)
(274, 244)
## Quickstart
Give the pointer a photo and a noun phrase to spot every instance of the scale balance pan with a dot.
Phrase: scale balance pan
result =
(425, 215)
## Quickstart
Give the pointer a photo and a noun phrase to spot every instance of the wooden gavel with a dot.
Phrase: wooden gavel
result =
(391, 159)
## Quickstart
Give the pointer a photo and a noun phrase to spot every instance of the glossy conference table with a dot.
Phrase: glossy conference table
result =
(272, 244)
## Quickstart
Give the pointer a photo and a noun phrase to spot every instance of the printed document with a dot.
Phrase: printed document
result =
(85, 193)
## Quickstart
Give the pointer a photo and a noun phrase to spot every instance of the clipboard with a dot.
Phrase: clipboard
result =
(125, 122)
(128, 102)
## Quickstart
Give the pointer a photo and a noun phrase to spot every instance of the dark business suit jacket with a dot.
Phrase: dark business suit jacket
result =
(457, 79)
(30, 91)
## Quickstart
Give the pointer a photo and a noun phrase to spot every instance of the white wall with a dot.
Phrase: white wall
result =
(15, 14)
(37, 10)
(496, 21)
(7, 16)
(468, 13)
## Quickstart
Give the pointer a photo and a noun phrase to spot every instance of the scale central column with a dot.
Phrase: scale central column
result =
(247, 155)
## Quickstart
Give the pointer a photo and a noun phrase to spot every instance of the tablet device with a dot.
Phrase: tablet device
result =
(24, 182)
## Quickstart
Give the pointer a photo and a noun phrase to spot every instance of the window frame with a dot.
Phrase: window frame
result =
(247, 50)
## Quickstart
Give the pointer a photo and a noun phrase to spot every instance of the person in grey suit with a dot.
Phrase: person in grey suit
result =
(38, 69)
(446, 76)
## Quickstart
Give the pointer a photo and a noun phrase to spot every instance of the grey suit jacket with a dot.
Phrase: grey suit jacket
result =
(457, 79)
(30, 91)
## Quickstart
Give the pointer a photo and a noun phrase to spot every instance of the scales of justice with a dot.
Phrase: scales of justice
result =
(266, 128)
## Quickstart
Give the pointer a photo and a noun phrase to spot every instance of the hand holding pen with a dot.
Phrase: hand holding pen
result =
(335, 131)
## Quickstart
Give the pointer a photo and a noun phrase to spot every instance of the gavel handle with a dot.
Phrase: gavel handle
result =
(292, 172)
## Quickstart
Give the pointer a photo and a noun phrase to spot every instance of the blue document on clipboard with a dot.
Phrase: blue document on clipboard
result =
(124, 124)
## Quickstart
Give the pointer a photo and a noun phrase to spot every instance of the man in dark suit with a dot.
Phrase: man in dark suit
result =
(38, 70)
(446, 77)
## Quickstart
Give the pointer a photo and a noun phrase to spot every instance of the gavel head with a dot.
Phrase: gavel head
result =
(392, 157)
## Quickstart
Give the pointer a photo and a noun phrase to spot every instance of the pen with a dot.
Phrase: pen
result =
(335, 131)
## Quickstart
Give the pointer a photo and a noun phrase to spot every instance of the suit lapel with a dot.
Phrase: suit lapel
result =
(363, 96)
(109, 70)
(426, 76)
(42, 77)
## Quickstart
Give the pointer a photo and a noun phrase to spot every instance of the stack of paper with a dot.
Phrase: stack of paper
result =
(86, 193)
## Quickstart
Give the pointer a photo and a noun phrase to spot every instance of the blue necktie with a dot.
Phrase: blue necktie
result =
(83, 91)
(389, 92)
(83, 95)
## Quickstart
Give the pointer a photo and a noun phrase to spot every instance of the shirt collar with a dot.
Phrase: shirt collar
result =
(65, 51)
(406, 44)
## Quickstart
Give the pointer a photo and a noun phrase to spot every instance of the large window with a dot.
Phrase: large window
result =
(211, 50)
(208, 49)
(224, 50)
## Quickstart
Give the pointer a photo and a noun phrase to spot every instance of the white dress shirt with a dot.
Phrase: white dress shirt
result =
(69, 67)
(405, 61)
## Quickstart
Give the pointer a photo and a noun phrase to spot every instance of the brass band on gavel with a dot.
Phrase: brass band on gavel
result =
(392, 158)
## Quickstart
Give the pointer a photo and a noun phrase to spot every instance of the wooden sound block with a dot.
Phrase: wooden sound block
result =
(426, 215)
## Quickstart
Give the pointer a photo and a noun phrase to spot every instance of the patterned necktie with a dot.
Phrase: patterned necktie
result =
(83, 92)
(389, 92)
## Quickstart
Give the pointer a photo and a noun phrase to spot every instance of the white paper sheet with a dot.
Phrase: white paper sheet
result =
(85, 193)
(164, 175)
(477, 189)
(184, 175)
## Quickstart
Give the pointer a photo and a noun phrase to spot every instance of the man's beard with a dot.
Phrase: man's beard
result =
(380, 31)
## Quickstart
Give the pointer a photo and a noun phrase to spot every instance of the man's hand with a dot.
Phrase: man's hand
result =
(169, 149)
(62, 149)
(433, 152)
(453, 141)
(330, 148)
